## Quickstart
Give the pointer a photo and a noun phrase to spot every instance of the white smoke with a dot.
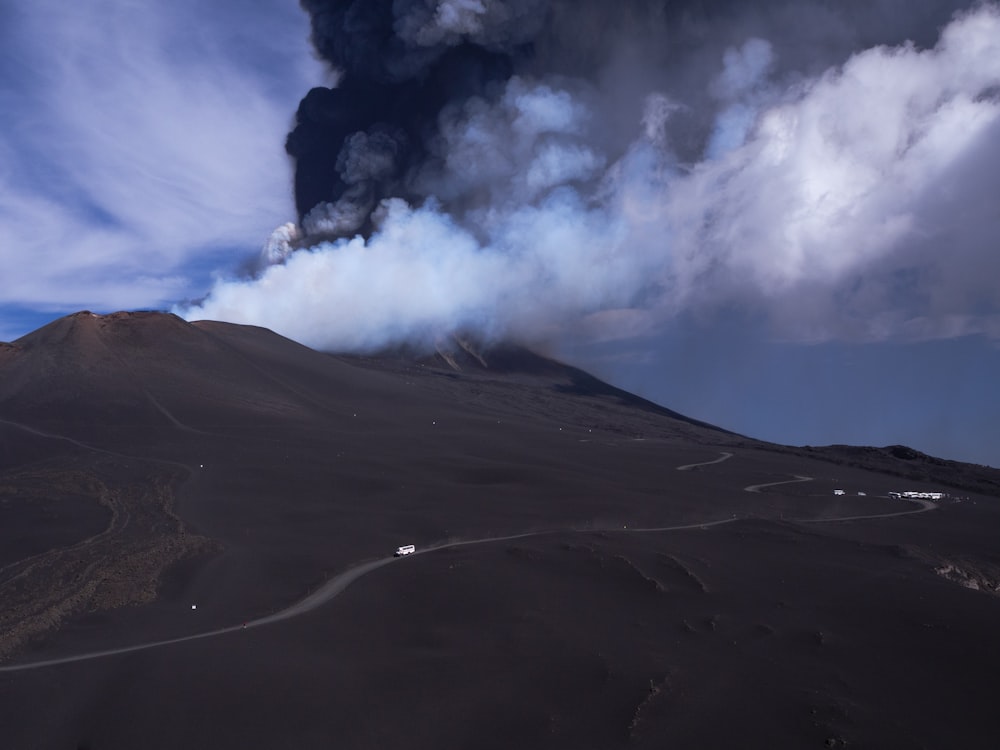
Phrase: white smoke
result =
(532, 139)
(740, 88)
(845, 205)
(490, 23)
(343, 217)
(280, 244)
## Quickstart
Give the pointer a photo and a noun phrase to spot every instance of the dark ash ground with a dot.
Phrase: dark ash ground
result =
(148, 465)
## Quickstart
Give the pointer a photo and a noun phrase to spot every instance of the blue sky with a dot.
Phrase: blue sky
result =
(854, 300)
(937, 396)
(141, 148)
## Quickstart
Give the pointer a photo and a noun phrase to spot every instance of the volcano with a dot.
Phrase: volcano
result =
(199, 519)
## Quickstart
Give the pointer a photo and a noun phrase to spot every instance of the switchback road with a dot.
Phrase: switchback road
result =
(759, 487)
(724, 457)
(336, 585)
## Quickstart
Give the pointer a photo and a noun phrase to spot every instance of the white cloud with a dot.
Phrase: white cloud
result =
(141, 140)
(843, 183)
(832, 210)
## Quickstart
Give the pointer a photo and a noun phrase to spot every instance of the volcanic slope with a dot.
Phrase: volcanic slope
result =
(162, 479)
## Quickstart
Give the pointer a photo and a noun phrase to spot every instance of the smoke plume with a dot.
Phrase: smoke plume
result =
(527, 168)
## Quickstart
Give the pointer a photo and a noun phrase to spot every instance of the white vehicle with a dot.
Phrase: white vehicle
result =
(839, 492)
(406, 549)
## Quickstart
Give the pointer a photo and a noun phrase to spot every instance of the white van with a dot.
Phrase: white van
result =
(406, 549)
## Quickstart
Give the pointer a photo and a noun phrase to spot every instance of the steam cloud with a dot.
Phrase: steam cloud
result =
(520, 169)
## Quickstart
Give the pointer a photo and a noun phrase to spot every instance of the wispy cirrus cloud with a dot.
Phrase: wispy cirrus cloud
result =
(141, 145)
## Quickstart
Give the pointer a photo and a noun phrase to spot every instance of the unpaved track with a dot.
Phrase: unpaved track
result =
(72, 441)
(724, 457)
(96, 449)
(336, 585)
(759, 487)
(324, 594)
(925, 505)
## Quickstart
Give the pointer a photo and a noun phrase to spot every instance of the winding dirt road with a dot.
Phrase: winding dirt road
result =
(336, 585)
(759, 487)
(324, 594)
(925, 505)
(724, 457)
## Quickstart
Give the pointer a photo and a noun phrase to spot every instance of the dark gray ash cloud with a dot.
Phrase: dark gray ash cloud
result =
(522, 169)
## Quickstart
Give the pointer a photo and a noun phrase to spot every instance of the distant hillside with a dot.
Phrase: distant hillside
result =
(910, 464)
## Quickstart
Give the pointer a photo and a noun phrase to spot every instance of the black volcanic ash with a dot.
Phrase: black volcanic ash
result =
(400, 64)
(529, 171)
